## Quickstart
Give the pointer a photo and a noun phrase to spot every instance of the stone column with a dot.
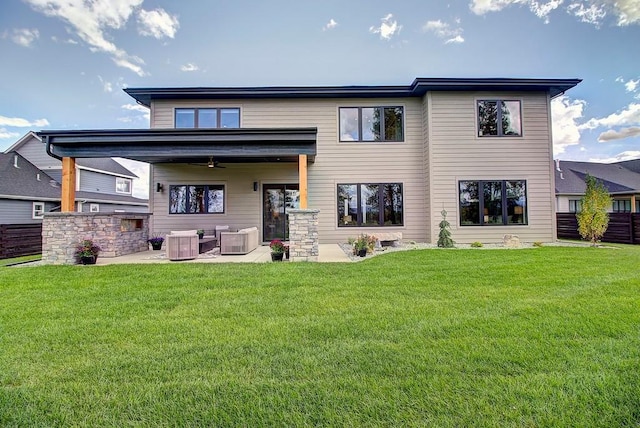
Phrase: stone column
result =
(303, 235)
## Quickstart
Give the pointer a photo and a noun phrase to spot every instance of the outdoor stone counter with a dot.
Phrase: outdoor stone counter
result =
(116, 233)
(303, 235)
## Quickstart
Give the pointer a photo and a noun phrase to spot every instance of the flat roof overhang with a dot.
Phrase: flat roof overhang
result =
(418, 88)
(241, 145)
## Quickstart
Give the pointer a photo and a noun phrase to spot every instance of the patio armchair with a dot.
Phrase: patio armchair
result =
(182, 245)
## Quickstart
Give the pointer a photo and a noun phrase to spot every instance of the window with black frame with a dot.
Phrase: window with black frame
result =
(370, 204)
(499, 118)
(207, 117)
(196, 199)
(371, 124)
(485, 203)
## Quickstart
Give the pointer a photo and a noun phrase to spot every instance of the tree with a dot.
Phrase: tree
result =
(593, 219)
(444, 238)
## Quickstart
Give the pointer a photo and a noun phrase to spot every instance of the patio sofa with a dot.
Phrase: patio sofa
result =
(241, 242)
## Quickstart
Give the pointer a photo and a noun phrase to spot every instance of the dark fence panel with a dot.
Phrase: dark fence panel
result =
(20, 240)
(624, 228)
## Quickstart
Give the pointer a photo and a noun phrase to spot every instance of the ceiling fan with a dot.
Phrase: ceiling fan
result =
(211, 164)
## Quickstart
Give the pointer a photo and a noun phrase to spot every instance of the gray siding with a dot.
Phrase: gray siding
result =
(335, 163)
(35, 152)
(91, 181)
(456, 153)
(13, 211)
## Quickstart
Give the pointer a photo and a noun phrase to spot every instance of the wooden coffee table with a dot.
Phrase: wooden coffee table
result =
(207, 244)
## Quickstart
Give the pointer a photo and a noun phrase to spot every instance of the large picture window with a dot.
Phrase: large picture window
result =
(499, 118)
(485, 203)
(377, 204)
(207, 118)
(371, 124)
(196, 199)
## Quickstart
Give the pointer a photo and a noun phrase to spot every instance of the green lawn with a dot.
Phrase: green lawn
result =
(525, 338)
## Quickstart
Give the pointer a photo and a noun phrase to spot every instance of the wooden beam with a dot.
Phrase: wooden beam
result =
(633, 203)
(68, 185)
(302, 180)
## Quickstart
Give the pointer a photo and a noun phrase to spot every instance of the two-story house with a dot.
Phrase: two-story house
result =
(102, 184)
(371, 159)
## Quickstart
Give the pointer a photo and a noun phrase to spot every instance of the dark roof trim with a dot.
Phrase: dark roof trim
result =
(183, 145)
(418, 88)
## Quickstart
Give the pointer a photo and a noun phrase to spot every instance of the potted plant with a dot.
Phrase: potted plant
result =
(277, 250)
(87, 252)
(156, 242)
(363, 244)
(200, 233)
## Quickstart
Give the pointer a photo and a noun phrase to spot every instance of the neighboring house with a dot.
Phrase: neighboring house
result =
(102, 184)
(620, 179)
(371, 159)
(26, 193)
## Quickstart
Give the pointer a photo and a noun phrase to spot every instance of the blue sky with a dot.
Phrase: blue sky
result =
(65, 62)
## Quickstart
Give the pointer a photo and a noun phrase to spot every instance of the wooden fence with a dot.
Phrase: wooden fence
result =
(624, 228)
(20, 240)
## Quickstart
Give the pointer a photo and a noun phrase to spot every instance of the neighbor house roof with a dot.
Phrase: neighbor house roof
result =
(616, 178)
(104, 165)
(22, 180)
(633, 165)
(417, 88)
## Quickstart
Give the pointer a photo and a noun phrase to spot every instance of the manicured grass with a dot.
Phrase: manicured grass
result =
(539, 337)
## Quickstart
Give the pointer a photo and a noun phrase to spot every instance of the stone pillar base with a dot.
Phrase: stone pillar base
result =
(303, 235)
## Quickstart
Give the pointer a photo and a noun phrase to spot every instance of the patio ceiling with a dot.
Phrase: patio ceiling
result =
(185, 145)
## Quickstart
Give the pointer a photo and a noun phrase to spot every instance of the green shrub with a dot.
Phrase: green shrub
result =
(476, 244)
(537, 244)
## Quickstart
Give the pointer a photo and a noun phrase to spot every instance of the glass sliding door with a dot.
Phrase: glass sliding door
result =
(277, 199)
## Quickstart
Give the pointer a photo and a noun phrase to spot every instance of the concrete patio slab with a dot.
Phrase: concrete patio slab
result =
(327, 253)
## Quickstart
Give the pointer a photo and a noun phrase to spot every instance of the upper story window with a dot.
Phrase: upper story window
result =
(371, 124)
(499, 118)
(123, 185)
(207, 118)
(493, 202)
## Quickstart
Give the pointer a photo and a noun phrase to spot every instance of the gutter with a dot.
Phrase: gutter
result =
(45, 140)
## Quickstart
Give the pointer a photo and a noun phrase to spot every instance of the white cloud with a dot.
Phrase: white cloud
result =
(630, 116)
(18, 122)
(157, 23)
(593, 12)
(5, 134)
(138, 108)
(189, 67)
(624, 156)
(387, 29)
(24, 36)
(565, 113)
(90, 20)
(631, 85)
(623, 133)
(330, 25)
(444, 31)
(106, 86)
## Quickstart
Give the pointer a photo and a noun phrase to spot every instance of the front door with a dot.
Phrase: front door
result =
(277, 199)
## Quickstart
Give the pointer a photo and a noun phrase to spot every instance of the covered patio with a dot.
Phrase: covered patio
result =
(208, 147)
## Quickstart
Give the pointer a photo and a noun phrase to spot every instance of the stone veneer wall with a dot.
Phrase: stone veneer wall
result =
(117, 234)
(303, 235)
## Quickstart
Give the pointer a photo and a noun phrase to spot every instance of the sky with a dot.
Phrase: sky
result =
(65, 62)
